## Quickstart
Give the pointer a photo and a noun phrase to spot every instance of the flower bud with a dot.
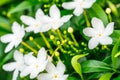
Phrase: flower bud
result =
(70, 30)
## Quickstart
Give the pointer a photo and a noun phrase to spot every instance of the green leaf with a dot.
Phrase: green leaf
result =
(2, 2)
(106, 76)
(115, 35)
(97, 11)
(76, 65)
(115, 60)
(94, 66)
(22, 6)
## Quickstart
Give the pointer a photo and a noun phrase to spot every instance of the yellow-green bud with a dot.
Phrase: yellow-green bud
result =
(21, 50)
(69, 42)
(108, 10)
(58, 42)
(8, 15)
(52, 37)
(64, 32)
(70, 30)
(57, 53)
(31, 38)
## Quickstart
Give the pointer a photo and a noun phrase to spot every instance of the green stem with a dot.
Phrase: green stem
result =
(29, 47)
(86, 18)
(60, 35)
(109, 17)
(75, 41)
(46, 42)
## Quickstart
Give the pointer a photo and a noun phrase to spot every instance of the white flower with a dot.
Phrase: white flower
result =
(16, 66)
(13, 39)
(98, 33)
(36, 25)
(35, 65)
(55, 20)
(54, 73)
(78, 5)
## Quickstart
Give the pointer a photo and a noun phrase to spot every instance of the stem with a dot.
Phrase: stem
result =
(109, 17)
(37, 44)
(86, 18)
(29, 47)
(75, 41)
(60, 35)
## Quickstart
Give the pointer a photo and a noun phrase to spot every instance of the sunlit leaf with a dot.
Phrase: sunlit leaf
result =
(106, 76)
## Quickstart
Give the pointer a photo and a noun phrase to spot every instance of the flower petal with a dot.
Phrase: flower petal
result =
(66, 18)
(29, 28)
(15, 75)
(10, 66)
(78, 11)
(39, 14)
(97, 25)
(88, 3)
(29, 59)
(60, 67)
(34, 74)
(64, 77)
(90, 32)
(109, 29)
(44, 76)
(7, 38)
(42, 54)
(26, 71)
(50, 68)
(93, 42)
(18, 56)
(105, 40)
(27, 20)
(9, 47)
(69, 5)
(54, 12)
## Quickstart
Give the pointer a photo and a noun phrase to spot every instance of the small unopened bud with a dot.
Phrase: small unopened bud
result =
(57, 53)
(108, 10)
(21, 50)
(31, 38)
(70, 30)
(58, 42)
(64, 32)
(52, 37)
(69, 42)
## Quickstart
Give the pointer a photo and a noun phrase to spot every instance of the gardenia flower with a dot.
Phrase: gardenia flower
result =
(78, 5)
(36, 25)
(16, 66)
(98, 33)
(35, 65)
(54, 73)
(13, 39)
(55, 20)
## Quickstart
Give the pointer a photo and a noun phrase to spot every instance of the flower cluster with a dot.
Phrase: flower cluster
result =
(28, 64)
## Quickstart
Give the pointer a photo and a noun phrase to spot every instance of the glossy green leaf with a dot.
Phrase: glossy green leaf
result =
(76, 65)
(115, 35)
(106, 76)
(115, 62)
(94, 66)
(22, 6)
(97, 11)
(2, 2)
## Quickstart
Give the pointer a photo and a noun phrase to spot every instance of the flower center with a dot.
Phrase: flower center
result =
(37, 66)
(81, 2)
(55, 76)
(99, 34)
(36, 25)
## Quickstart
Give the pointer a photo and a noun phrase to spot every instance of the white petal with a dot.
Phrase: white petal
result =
(15, 75)
(42, 54)
(44, 76)
(66, 18)
(26, 71)
(60, 67)
(45, 28)
(18, 56)
(54, 12)
(9, 47)
(69, 5)
(29, 28)
(30, 59)
(106, 40)
(78, 11)
(50, 68)
(88, 3)
(10, 66)
(27, 20)
(39, 14)
(93, 42)
(33, 74)
(7, 38)
(64, 77)
(109, 29)
(90, 32)
(97, 25)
